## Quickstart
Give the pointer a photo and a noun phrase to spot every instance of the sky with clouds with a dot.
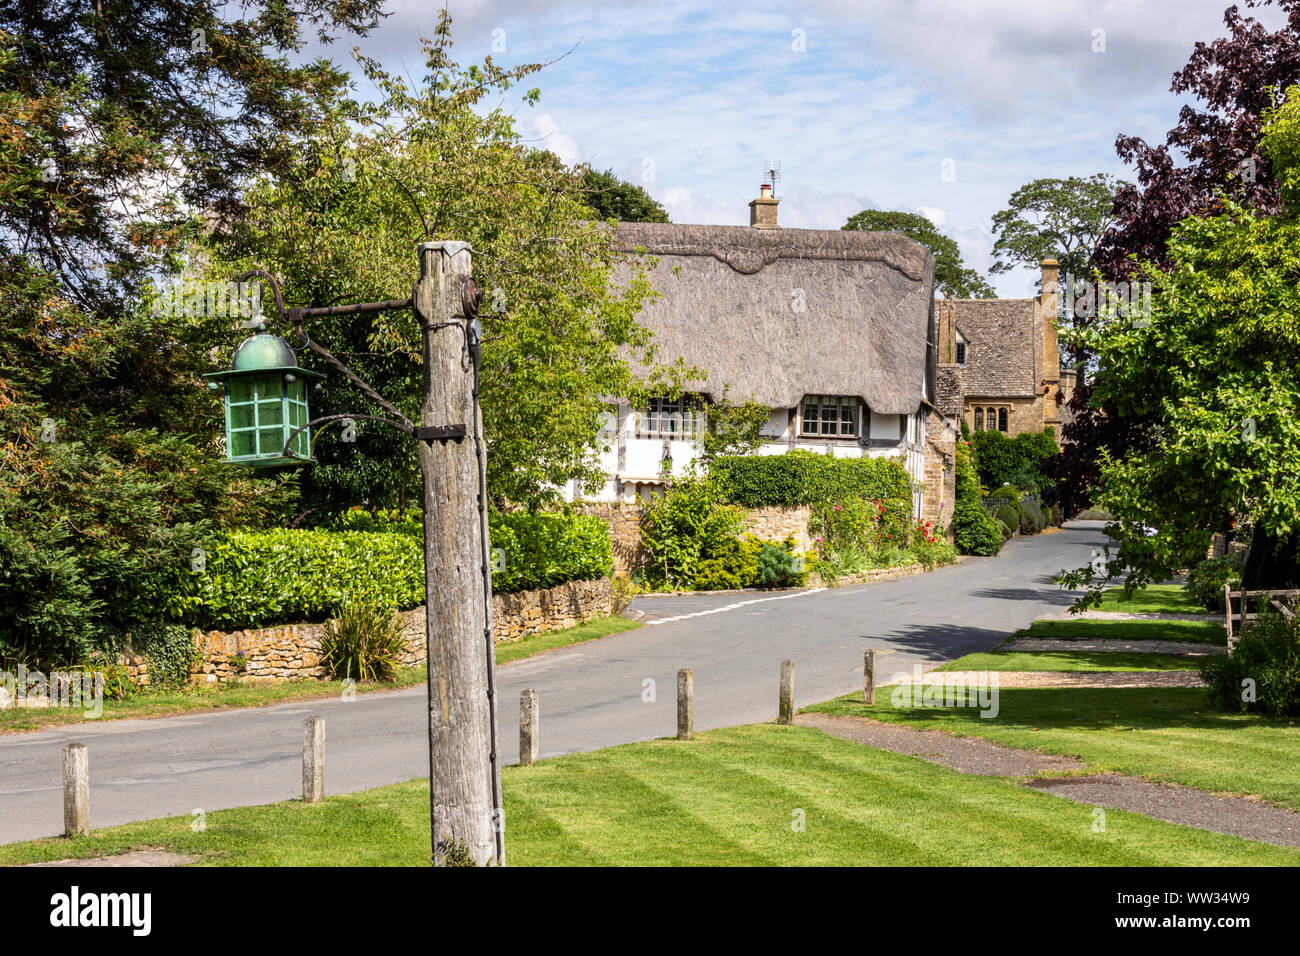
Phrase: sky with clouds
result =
(865, 103)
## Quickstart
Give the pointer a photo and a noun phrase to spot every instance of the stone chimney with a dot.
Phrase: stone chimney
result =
(762, 211)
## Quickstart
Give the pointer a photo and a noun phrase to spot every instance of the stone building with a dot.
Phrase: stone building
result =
(835, 331)
(999, 362)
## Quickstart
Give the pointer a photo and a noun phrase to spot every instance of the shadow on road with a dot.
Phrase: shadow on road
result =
(1058, 598)
(945, 640)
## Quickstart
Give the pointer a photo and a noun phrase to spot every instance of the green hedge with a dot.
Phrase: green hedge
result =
(261, 578)
(803, 478)
(1016, 460)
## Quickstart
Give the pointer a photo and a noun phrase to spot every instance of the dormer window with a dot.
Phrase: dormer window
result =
(961, 349)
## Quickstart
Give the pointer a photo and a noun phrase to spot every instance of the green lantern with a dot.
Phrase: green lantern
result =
(266, 403)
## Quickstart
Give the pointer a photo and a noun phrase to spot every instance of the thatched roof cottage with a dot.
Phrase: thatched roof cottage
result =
(834, 330)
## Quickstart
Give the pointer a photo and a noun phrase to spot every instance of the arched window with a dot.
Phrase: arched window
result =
(1002, 419)
(979, 419)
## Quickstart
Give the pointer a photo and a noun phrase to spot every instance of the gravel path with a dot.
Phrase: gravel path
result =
(1235, 816)
(134, 858)
(967, 754)
(1131, 616)
(1186, 648)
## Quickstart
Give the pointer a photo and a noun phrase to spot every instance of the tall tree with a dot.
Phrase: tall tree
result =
(617, 199)
(120, 120)
(1211, 383)
(951, 277)
(1062, 219)
(1237, 78)
(430, 162)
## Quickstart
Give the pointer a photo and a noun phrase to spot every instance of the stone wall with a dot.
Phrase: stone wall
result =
(770, 524)
(940, 468)
(293, 650)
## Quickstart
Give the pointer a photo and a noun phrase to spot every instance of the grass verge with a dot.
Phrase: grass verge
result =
(1071, 661)
(744, 796)
(1163, 734)
(1154, 599)
(167, 703)
(1095, 629)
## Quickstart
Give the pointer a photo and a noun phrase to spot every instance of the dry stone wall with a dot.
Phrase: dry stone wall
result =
(291, 651)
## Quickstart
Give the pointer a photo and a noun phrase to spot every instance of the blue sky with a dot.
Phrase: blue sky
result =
(865, 104)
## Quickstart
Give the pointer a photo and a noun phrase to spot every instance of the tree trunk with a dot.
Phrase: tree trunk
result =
(460, 770)
(1272, 563)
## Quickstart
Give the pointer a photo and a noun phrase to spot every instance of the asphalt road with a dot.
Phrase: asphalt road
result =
(593, 695)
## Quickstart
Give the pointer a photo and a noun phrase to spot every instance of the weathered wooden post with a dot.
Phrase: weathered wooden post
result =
(464, 780)
(313, 760)
(529, 727)
(869, 677)
(786, 714)
(685, 704)
(76, 790)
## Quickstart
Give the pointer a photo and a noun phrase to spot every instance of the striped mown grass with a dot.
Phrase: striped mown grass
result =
(754, 795)
(1166, 734)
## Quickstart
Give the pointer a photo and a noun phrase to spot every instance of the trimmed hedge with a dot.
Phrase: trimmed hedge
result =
(261, 578)
(1016, 460)
(802, 477)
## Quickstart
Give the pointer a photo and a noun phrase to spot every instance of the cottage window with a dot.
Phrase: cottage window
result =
(979, 419)
(670, 418)
(1002, 419)
(829, 416)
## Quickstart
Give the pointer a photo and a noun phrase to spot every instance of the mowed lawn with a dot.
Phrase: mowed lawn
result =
(1096, 629)
(1070, 661)
(1154, 598)
(755, 795)
(1166, 734)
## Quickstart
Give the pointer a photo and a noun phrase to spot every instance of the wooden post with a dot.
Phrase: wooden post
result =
(685, 704)
(76, 790)
(529, 727)
(786, 714)
(869, 677)
(463, 775)
(1227, 610)
(313, 760)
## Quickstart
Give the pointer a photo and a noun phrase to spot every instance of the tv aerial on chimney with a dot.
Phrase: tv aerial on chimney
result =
(771, 173)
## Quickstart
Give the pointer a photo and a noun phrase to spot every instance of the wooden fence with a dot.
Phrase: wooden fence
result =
(1244, 599)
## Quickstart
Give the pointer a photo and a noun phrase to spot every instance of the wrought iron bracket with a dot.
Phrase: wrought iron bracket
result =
(442, 433)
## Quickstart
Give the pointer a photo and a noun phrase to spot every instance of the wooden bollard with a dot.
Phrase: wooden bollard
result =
(529, 727)
(76, 790)
(313, 760)
(869, 677)
(685, 704)
(786, 714)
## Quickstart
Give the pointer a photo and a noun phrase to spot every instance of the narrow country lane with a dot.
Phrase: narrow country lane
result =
(591, 695)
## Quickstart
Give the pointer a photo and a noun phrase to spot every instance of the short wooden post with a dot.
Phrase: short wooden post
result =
(786, 714)
(529, 727)
(313, 760)
(685, 704)
(869, 677)
(1227, 610)
(76, 790)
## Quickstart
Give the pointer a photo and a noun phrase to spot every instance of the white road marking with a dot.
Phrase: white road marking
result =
(732, 607)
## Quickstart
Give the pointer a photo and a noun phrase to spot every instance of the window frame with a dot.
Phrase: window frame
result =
(845, 413)
(650, 420)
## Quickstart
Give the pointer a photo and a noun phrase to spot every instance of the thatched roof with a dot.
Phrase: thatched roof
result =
(726, 306)
(1000, 346)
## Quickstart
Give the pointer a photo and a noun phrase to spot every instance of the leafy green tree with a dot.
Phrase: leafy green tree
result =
(951, 277)
(1061, 219)
(1212, 382)
(119, 119)
(732, 428)
(433, 162)
(616, 199)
